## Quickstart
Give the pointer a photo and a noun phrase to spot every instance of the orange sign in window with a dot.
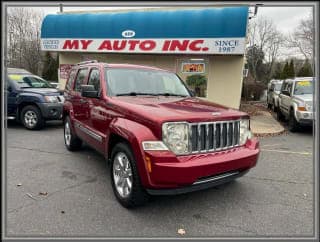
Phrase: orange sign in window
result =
(193, 67)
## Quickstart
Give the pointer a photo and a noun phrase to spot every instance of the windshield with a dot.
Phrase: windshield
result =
(133, 82)
(303, 87)
(24, 81)
(277, 87)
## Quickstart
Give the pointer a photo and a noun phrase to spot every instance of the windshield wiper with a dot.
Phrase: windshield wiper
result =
(171, 94)
(135, 94)
(151, 94)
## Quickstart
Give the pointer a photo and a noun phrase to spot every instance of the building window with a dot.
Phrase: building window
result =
(191, 67)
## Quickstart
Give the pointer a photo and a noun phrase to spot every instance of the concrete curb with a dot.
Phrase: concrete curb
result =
(270, 134)
(265, 124)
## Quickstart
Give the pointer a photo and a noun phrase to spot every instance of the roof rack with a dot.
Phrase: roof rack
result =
(87, 62)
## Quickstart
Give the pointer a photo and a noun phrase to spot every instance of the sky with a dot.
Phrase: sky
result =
(286, 19)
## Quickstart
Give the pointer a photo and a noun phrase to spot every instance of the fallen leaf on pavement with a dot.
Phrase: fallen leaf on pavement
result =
(43, 193)
(29, 195)
(181, 231)
(62, 211)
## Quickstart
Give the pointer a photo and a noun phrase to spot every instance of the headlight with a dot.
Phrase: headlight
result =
(308, 107)
(51, 99)
(245, 132)
(175, 136)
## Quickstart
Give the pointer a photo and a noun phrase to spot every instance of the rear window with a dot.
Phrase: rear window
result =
(277, 87)
(29, 81)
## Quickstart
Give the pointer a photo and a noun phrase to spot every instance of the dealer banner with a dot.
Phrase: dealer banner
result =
(187, 46)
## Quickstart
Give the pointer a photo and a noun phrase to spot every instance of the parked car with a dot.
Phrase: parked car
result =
(157, 138)
(274, 87)
(296, 102)
(55, 85)
(31, 100)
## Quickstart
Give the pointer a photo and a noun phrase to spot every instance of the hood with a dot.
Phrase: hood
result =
(304, 97)
(164, 109)
(42, 91)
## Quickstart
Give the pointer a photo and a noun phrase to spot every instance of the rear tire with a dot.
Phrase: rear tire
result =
(280, 116)
(125, 179)
(71, 141)
(31, 118)
(269, 106)
(274, 107)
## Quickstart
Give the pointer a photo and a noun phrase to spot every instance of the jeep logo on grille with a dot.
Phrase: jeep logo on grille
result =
(128, 33)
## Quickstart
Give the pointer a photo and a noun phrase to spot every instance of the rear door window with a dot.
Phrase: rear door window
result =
(70, 79)
(289, 88)
(81, 77)
(285, 87)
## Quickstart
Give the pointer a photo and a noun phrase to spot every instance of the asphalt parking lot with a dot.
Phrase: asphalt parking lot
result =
(274, 199)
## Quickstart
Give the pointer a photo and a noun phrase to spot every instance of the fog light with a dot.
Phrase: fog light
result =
(53, 112)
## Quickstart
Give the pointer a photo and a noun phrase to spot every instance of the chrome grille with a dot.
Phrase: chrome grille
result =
(213, 136)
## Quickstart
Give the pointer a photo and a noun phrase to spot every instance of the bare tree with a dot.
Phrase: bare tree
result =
(24, 38)
(264, 35)
(302, 38)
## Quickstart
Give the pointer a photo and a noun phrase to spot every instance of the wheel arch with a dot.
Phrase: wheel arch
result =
(132, 133)
(24, 104)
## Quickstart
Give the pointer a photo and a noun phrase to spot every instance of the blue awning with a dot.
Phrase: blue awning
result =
(226, 22)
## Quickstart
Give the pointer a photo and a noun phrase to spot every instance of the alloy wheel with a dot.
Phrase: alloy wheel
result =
(122, 174)
(30, 118)
(67, 134)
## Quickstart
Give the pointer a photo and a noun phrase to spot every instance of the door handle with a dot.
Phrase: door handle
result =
(83, 101)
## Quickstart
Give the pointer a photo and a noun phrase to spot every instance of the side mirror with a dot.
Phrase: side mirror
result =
(89, 91)
(286, 92)
(192, 93)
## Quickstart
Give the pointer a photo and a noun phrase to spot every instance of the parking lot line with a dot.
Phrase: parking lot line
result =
(271, 145)
(289, 152)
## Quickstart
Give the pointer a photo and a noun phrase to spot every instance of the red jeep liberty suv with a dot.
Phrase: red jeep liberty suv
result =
(157, 137)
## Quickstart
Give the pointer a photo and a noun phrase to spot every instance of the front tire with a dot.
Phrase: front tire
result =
(71, 141)
(31, 117)
(293, 123)
(125, 179)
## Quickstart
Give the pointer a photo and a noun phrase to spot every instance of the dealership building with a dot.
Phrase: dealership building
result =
(191, 41)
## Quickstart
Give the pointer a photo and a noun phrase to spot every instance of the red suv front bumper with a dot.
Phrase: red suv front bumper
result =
(172, 174)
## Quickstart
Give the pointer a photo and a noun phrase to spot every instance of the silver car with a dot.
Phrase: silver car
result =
(274, 88)
(296, 102)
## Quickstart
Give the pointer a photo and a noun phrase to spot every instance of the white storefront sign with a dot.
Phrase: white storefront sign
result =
(225, 46)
